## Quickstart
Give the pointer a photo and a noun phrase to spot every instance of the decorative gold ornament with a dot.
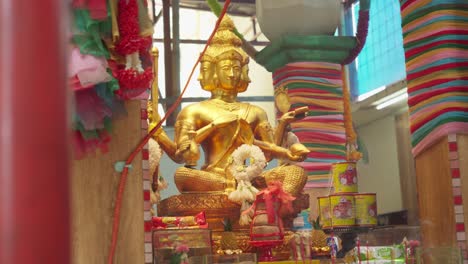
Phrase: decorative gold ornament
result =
(230, 107)
(282, 99)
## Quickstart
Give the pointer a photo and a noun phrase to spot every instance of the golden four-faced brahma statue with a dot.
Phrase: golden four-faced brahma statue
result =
(221, 124)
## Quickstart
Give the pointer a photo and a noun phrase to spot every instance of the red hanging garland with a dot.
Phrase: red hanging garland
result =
(132, 82)
(129, 29)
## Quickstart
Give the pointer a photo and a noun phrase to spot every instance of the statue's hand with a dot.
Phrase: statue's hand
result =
(288, 117)
(294, 115)
(297, 152)
(153, 117)
(189, 150)
(224, 120)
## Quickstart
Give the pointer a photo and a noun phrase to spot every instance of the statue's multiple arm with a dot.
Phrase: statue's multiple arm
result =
(285, 120)
(264, 138)
(202, 133)
(187, 149)
(164, 141)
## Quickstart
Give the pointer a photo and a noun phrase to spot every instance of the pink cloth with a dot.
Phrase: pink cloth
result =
(90, 70)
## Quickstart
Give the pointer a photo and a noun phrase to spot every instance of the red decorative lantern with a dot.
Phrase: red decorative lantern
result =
(266, 228)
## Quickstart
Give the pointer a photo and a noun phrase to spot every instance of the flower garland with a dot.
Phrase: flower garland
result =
(155, 156)
(130, 39)
(133, 79)
(256, 158)
(361, 34)
(159, 183)
(245, 192)
(289, 140)
(352, 154)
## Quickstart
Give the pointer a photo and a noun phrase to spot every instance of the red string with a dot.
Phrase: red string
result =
(124, 174)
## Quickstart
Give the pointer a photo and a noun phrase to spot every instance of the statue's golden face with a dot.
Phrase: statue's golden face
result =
(206, 75)
(244, 80)
(228, 73)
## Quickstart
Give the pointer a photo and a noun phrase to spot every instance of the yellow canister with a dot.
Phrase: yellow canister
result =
(324, 211)
(366, 209)
(342, 210)
(344, 177)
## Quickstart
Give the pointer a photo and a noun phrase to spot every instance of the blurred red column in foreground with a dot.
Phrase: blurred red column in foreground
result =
(34, 152)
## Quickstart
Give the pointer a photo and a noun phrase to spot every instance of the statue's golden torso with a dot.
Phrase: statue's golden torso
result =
(223, 140)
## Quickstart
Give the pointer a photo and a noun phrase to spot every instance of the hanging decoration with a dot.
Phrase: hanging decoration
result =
(91, 81)
(361, 34)
(352, 154)
(97, 75)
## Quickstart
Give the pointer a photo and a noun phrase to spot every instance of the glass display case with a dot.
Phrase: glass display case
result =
(165, 241)
(389, 244)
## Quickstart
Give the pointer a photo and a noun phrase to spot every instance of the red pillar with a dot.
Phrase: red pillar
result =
(34, 165)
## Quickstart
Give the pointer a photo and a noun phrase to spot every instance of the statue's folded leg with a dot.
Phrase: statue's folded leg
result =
(293, 177)
(192, 180)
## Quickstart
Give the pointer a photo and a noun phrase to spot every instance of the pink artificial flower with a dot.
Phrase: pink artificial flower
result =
(414, 243)
(182, 248)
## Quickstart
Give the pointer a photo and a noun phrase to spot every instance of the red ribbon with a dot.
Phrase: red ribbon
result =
(273, 193)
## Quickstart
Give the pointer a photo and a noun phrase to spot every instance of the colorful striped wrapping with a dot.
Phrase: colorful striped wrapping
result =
(435, 37)
(317, 85)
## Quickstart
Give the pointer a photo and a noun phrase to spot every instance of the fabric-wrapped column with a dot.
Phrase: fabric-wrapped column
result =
(317, 85)
(435, 37)
(436, 50)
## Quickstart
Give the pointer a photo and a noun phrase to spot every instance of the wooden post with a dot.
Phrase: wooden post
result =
(94, 188)
(437, 216)
(409, 194)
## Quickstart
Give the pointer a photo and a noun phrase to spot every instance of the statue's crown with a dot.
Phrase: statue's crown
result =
(225, 44)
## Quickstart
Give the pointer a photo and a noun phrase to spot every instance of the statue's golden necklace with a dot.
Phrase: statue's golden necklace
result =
(231, 107)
